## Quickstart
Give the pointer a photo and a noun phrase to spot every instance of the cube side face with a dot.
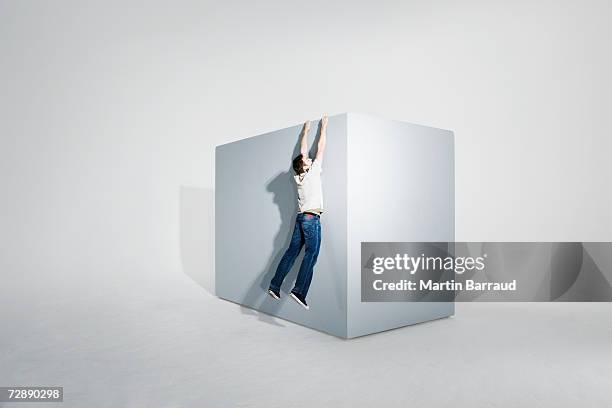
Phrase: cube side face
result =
(400, 188)
(255, 212)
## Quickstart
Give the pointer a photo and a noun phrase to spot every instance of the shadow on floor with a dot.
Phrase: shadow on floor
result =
(196, 238)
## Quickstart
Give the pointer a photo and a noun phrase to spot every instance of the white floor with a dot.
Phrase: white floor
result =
(150, 347)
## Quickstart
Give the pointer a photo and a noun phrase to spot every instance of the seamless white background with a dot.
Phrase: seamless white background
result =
(109, 112)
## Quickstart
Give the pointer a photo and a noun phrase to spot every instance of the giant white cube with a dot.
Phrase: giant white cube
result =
(383, 181)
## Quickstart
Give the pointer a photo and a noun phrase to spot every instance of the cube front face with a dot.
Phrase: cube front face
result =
(401, 188)
(382, 181)
(255, 210)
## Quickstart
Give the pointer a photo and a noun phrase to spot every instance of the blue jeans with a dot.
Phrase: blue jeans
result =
(307, 232)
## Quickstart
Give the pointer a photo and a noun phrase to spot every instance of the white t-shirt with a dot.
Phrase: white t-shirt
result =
(310, 191)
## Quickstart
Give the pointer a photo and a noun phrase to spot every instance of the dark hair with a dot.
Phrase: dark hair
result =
(298, 164)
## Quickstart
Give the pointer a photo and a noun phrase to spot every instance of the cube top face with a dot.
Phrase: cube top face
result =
(382, 181)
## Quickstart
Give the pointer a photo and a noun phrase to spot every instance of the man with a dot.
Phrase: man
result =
(307, 230)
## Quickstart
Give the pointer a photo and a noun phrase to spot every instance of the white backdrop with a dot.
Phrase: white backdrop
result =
(108, 110)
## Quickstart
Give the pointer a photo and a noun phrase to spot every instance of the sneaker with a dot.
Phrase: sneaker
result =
(274, 293)
(300, 299)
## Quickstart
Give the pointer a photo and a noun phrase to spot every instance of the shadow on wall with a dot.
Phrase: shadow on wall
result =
(284, 192)
(197, 235)
(284, 196)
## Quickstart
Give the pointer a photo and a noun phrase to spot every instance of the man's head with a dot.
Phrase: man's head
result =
(301, 164)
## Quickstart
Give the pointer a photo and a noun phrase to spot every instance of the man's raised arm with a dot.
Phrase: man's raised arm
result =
(304, 144)
(322, 139)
